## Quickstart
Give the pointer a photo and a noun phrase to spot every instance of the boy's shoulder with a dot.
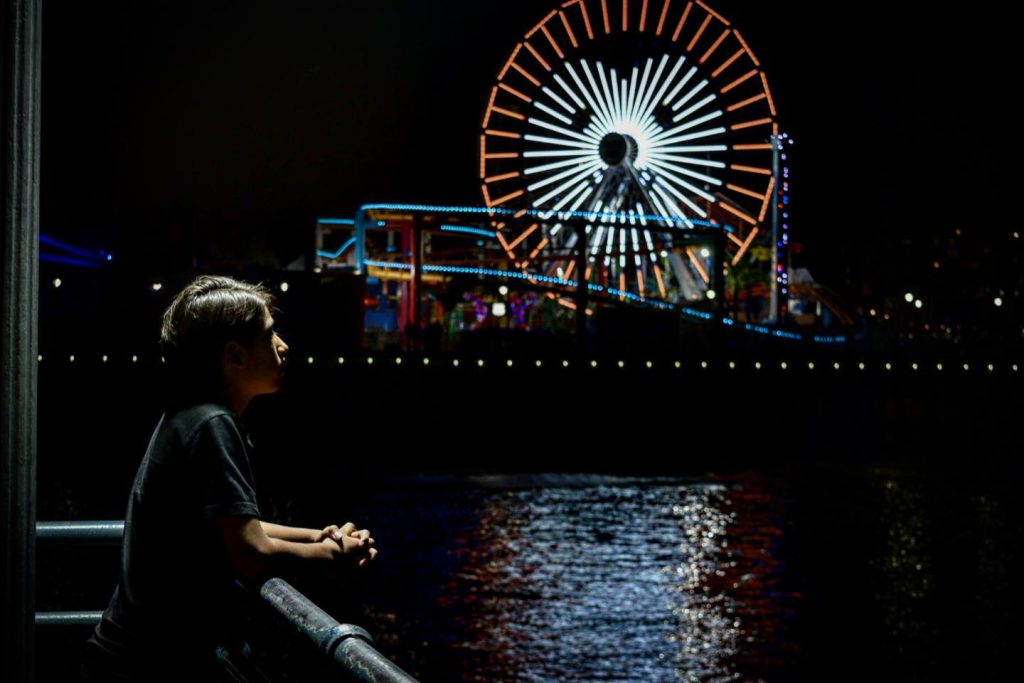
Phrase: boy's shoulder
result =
(189, 421)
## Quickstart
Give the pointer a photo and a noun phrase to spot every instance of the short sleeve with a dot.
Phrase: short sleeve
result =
(222, 460)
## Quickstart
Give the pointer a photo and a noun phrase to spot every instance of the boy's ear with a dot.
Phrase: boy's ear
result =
(234, 353)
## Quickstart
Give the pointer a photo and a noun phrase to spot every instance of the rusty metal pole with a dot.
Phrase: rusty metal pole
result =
(20, 63)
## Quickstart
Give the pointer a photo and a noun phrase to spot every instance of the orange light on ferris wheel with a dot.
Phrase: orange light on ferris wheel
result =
(682, 21)
(744, 247)
(516, 242)
(700, 32)
(697, 264)
(750, 124)
(643, 16)
(714, 46)
(515, 92)
(661, 20)
(660, 279)
(712, 12)
(511, 114)
(551, 39)
(537, 56)
(750, 169)
(526, 74)
(768, 195)
(740, 214)
(746, 47)
(725, 65)
(750, 74)
(750, 100)
(604, 13)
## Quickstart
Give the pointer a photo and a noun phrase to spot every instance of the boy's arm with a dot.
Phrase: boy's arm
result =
(292, 533)
(255, 555)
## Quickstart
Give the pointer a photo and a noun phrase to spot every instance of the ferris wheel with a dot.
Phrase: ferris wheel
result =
(656, 115)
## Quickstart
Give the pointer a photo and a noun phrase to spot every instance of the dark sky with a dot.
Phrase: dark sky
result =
(226, 128)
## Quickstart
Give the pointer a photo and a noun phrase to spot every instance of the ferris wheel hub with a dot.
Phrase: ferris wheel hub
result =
(615, 148)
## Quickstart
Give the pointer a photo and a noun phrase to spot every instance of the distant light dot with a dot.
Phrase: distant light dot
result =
(71, 358)
(565, 363)
(810, 366)
(678, 364)
(938, 366)
(369, 360)
(757, 365)
(310, 360)
(908, 297)
(538, 364)
(40, 358)
(57, 282)
(914, 366)
(860, 365)
(503, 290)
(888, 366)
(509, 362)
(398, 361)
(480, 363)
(998, 301)
(711, 294)
(732, 365)
(991, 367)
(966, 366)
(918, 304)
(426, 361)
(104, 358)
(455, 362)
(704, 364)
(835, 365)
(650, 364)
(621, 364)
(135, 359)
(341, 360)
(284, 286)
(157, 286)
(593, 363)
(783, 365)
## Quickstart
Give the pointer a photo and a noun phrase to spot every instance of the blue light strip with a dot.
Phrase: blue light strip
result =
(675, 221)
(76, 251)
(53, 258)
(344, 221)
(467, 230)
(326, 254)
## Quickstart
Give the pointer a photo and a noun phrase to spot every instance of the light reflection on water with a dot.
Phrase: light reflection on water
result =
(614, 583)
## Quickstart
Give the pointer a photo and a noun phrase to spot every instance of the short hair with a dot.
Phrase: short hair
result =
(207, 314)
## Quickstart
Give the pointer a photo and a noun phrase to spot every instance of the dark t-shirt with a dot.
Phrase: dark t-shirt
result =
(176, 595)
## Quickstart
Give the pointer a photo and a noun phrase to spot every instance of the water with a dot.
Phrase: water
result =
(828, 573)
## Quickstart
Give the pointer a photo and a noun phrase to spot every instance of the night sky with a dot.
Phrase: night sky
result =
(215, 132)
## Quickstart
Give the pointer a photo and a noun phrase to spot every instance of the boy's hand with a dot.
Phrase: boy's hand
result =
(352, 542)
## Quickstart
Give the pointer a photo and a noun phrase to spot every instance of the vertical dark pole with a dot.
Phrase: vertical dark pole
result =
(581, 289)
(718, 277)
(20, 61)
(417, 276)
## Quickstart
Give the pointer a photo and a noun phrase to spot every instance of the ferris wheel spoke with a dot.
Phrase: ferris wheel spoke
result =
(679, 86)
(564, 131)
(599, 113)
(702, 103)
(662, 165)
(690, 94)
(668, 178)
(655, 139)
(546, 153)
(579, 191)
(680, 196)
(559, 141)
(530, 170)
(558, 100)
(574, 171)
(609, 100)
(693, 161)
(569, 91)
(600, 104)
(695, 148)
(641, 90)
(706, 133)
(551, 112)
(569, 183)
(653, 102)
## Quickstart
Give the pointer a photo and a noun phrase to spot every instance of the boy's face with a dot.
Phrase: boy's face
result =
(264, 360)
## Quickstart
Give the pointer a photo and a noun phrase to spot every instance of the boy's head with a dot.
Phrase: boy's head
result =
(209, 318)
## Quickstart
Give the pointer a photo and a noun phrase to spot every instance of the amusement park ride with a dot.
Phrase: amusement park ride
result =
(634, 143)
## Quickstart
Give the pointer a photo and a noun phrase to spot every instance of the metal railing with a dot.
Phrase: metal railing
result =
(349, 646)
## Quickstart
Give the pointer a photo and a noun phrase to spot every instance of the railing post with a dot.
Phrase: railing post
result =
(20, 63)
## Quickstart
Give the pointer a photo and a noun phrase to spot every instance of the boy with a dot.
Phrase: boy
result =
(192, 526)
